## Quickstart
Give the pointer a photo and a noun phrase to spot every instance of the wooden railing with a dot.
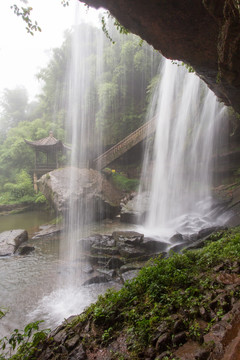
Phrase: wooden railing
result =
(124, 145)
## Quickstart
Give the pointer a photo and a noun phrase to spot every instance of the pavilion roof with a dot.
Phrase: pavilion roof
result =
(47, 144)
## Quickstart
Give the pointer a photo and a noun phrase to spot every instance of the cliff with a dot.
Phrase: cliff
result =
(202, 33)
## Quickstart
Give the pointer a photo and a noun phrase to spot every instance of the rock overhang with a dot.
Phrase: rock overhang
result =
(201, 33)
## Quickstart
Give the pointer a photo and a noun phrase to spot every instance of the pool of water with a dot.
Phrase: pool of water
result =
(33, 287)
(29, 220)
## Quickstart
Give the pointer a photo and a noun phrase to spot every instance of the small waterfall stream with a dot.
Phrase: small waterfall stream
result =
(179, 185)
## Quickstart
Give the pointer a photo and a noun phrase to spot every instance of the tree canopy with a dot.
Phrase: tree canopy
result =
(120, 76)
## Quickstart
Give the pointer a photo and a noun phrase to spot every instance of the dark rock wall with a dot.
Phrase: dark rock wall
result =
(202, 33)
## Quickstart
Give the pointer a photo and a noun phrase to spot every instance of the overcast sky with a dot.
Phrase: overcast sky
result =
(22, 55)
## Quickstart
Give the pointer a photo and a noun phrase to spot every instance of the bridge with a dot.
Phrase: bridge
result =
(124, 145)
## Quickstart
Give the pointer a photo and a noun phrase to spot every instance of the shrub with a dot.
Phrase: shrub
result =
(23, 186)
(123, 183)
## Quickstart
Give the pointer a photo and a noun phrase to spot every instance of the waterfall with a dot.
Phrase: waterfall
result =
(87, 44)
(177, 169)
(69, 296)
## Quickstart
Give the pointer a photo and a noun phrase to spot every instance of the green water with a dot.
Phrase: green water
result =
(29, 220)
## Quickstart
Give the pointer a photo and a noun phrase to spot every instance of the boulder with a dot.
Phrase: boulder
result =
(11, 240)
(212, 233)
(176, 238)
(134, 208)
(88, 186)
(128, 237)
(48, 231)
(97, 280)
(129, 275)
(131, 252)
(114, 263)
(153, 245)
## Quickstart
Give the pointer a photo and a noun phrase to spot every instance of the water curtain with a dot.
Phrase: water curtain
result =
(179, 158)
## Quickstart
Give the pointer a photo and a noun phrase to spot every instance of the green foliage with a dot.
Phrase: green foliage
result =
(189, 68)
(116, 102)
(121, 90)
(2, 312)
(120, 28)
(180, 283)
(123, 183)
(25, 14)
(24, 342)
(40, 199)
(23, 186)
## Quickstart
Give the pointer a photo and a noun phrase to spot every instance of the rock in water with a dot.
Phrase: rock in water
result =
(25, 250)
(11, 240)
(88, 186)
(134, 208)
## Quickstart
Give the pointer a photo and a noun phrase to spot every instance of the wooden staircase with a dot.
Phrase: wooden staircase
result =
(124, 145)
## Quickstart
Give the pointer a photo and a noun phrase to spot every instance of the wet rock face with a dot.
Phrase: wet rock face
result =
(134, 207)
(204, 34)
(117, 257)
(89, 187)
(11, 240)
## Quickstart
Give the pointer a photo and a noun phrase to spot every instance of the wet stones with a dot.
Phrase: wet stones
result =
(115, 263)
(196, 240)
(11, 240)
(128, 237)
(25, 250)
(97, 280)
(119, 256)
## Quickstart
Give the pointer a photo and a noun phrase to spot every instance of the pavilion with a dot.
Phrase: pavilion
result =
(47, 152)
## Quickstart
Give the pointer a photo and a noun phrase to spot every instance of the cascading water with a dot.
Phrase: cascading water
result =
(187, 118)
(82, 107)
(70, 296)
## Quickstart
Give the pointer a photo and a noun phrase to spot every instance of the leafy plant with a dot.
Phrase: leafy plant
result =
(22, 187)
(24, 342)
(123, 183)
(40, 199)
(25, 14)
